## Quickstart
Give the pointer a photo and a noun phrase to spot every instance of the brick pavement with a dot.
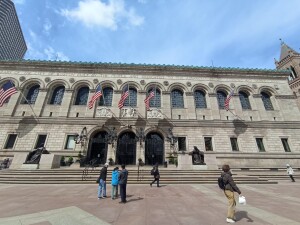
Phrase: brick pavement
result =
(170, 204)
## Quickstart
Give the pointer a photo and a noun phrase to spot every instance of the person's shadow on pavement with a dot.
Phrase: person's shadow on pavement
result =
(135, 199)
(243, 214)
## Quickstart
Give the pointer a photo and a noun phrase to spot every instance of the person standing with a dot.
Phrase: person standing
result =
(290, 172)
(123, 175)
(102, 182)
(114, 183)
(230, 188)
(155, 173)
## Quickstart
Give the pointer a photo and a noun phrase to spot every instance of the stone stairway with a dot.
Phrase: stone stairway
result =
(143, 176)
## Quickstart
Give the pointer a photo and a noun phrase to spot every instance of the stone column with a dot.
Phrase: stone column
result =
(110, 153)
(66, 102)
(166, 106)
(190, 105)
(214, 106)
(11, 106)
(40, 102)
(141, 107)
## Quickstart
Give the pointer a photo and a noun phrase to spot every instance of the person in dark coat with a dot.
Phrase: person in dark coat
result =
(155, 173)
(230, 188)
(123, 175)
(102, 182)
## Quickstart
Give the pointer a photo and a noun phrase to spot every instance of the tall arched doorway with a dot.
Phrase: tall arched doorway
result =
(98, 147)
(126, 149)
(154, 149)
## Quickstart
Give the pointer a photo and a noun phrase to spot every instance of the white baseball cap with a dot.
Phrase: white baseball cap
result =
(106, 164)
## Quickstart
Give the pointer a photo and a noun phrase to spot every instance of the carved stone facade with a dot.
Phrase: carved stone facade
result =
(241, 137)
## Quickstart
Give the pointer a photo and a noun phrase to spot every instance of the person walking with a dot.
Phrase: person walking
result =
(123, 175)
(114, 183)
(156, 175)
(230, 188)
(102, 182)
(290, 172)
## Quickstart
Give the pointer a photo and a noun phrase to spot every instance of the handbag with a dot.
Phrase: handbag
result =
(98, 180)
(242, 200)
(157, 176)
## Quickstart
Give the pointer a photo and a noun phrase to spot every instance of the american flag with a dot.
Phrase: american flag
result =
(125, 95)
(7, 90)
(97, 94)
(147, 100)
(228, 100)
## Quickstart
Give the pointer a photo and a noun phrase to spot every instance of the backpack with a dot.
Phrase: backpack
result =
(221, 183)
(152, 172)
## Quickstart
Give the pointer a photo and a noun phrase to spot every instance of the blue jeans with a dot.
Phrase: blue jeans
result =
(102, 187)
(114, 191)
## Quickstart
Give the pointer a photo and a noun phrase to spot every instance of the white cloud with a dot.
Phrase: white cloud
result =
(94, 13)
(142, 1)
(54, 55)
(21, 2)
(47, 26)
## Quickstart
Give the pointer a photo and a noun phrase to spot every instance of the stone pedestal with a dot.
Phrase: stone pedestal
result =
(18, 160)
(29, 166)
(185, 163)
(49, 161)
(211, 161)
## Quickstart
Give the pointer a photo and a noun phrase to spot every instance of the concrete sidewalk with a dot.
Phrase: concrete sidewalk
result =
(170, 204)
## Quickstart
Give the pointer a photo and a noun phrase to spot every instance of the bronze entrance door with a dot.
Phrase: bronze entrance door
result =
(126, 149)
(98, 148)
(154, 149)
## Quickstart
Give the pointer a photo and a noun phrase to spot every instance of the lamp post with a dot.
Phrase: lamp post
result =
(81, 139)
(171, 138)
(140, 135)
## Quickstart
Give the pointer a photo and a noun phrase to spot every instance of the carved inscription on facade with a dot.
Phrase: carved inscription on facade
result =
(103, 112)
(154, 114)
(128, 112)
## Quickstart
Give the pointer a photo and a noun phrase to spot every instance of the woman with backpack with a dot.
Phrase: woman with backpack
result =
(229, 189)
(155, 173)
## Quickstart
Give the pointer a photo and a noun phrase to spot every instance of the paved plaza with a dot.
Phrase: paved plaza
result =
(170, 204)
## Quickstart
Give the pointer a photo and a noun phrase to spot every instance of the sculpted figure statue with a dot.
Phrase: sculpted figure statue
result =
(197, 156)
(35, 156)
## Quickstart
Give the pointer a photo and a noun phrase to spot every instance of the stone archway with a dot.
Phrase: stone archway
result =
(98, 147)
(154, 149)
(126, 149)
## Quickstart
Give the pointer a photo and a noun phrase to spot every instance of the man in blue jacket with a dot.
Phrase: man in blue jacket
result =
(123, 182)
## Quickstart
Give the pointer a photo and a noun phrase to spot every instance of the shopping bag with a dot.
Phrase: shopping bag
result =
(242, 200)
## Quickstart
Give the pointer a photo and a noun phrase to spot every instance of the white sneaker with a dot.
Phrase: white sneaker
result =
(228, 220)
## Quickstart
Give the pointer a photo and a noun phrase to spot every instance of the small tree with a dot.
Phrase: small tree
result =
(62, 161)
(70, 160)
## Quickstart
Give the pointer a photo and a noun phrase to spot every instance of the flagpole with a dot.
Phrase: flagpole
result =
(234, 114)
(29, 105)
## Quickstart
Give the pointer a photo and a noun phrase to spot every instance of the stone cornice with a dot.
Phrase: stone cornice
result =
(285, 97)
(89, 69)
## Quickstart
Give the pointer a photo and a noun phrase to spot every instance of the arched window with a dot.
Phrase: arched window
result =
(155, 102)
(106, 98)
(244, 99)
(294, 74)
(32, 94)
(57, 95)
(132, 98)
(177, 99)
(267, 101)
(82, 96)
(200, 100)
(221, 99)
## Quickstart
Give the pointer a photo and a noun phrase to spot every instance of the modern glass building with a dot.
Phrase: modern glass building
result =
(12, 42)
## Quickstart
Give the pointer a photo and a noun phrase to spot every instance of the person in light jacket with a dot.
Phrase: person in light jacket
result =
(290, 172)
(114, 183)
(230, 188)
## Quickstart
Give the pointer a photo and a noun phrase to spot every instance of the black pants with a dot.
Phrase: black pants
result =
(123, 192)
(291, 176)
(155, 179)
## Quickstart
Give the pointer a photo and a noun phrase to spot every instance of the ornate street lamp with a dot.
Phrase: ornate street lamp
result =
(111, 136)
(171, 138)
(140, 135)
(81, 139)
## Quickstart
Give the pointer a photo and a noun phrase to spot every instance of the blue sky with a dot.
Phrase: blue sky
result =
(223, 33)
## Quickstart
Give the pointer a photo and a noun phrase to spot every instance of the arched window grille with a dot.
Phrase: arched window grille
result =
(32, 94)
(200, 100)
(267, 101)
(132, 98)
(221, 99)
(177, 99)
(155, 102)
(57, 95)
(244, 99)
(106, 98)
(82, 96)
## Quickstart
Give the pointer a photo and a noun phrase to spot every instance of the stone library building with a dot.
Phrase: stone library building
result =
(186, 108)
